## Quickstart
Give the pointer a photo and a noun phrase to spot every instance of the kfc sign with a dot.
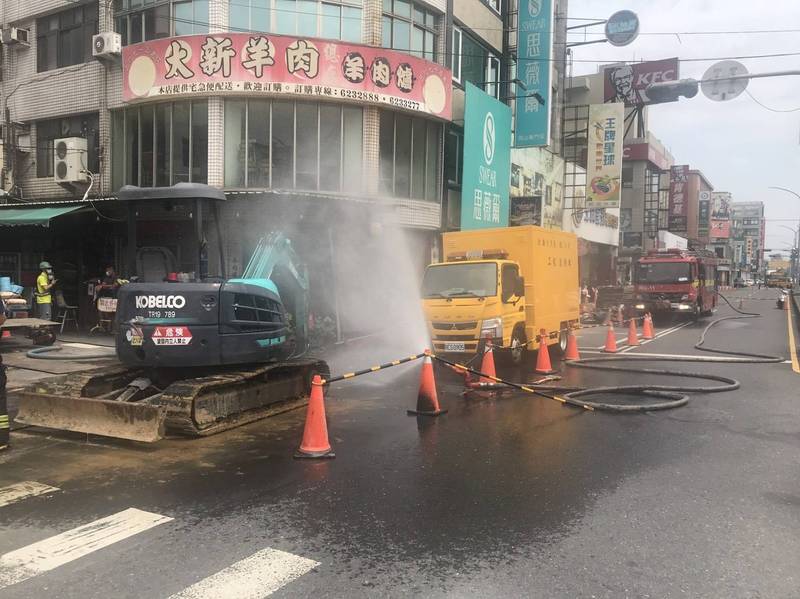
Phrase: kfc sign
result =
(627, 83)
(262, 64)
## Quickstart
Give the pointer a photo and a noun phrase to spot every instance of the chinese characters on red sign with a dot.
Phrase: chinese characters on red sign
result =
(276, 65)
(678, 201)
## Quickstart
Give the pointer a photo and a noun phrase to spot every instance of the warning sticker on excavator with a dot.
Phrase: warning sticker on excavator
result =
(172, 336)
(134, 335)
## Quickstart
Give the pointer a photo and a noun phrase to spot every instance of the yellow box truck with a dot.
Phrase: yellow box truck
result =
(506, 284)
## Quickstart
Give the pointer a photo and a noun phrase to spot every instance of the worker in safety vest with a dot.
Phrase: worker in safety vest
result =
(44, 298)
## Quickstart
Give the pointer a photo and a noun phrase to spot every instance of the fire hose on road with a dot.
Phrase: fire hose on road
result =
(665, 396)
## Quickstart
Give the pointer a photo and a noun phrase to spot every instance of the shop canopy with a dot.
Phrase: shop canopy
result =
(10, 217)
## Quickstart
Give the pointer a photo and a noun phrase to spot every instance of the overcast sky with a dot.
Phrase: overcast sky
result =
(740, 146)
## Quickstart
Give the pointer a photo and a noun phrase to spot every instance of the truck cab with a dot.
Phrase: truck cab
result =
(676, 281)
(505, 284)
(468, 301)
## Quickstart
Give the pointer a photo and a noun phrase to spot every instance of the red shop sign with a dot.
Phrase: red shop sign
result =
(279, 65)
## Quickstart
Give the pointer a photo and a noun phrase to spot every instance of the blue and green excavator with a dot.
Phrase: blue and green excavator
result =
(196, 357)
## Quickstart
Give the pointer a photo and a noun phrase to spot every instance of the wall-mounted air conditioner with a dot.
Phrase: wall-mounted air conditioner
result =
(106, 45)
(70, 159)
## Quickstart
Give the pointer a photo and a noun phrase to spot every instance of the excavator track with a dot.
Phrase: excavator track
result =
(179, 401)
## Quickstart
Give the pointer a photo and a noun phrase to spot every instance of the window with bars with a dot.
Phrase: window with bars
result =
(409, 156)
(160, 144)
(282, 144)
(474, 63)
(144, 20)
(330, 19)
(409, 27)
(65, 38)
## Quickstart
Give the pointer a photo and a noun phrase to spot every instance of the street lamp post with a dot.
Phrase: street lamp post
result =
(794, 250)
(796, 240)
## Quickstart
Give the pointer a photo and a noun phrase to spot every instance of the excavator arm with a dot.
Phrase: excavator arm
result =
(274, 259)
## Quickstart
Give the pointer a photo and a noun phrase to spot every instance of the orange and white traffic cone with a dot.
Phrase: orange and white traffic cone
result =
(633, 336)
(427, 400)
(647, 327)
(620, 315)
(315, 442)
(572, 347)
(487, 364)
(611, 341)
(543, 365)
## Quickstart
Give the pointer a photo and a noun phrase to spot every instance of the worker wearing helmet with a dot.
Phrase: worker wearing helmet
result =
(44, 298)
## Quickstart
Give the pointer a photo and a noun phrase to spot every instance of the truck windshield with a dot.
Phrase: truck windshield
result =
(460, 280)
(663, 272)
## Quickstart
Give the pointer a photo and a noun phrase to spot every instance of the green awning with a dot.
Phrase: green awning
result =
(10, 217)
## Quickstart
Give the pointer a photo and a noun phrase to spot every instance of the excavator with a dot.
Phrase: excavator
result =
(196, 357)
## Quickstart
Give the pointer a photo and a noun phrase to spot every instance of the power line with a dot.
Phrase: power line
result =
(753, 98)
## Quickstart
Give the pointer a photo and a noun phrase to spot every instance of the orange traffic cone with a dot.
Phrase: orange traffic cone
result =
(315, 442)
(487, 364)
(543, 365)
(647, 327)
(620, 315)
(633, 336)
(611, 340)
(427, 400)
(572, 347)
(6, 334)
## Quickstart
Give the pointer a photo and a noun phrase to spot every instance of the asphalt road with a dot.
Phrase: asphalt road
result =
(513, 496)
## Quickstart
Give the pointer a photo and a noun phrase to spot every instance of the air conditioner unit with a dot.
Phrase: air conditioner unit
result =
(69, 160)
(16, 35)
(107, 45)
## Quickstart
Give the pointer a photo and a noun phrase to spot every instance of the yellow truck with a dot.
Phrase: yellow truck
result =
(506, 284)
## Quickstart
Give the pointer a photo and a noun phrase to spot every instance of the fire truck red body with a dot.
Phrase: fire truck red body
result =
(678, 281)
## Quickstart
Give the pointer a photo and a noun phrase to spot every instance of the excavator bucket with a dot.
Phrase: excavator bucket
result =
(134, 421)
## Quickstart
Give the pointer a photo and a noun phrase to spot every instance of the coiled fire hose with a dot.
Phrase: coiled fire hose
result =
(670, 396)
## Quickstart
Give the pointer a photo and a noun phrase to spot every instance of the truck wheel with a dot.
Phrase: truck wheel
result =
(519, 350)
(563, 337)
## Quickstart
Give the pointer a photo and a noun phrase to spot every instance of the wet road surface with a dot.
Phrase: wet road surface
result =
(515, 496)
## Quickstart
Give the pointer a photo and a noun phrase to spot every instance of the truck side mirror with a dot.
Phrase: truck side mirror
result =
(520, 290)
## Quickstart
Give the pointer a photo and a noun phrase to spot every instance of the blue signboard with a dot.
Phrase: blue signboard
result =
(487, 161)
(534, 59)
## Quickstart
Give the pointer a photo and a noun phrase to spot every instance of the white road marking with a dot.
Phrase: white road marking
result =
(254, 577)
(63, 548)
(20, 491)
(658, 336)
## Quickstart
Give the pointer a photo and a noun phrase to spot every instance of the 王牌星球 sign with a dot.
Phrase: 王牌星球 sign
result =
(534, 62)
(604, 155)
(280, 65)
(487, 161)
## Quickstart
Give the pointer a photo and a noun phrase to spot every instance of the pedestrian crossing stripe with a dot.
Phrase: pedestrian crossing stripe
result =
(24, 490)
(43, 556)
(254, 577)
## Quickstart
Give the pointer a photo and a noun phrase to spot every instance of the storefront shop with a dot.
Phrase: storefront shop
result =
(331, 142)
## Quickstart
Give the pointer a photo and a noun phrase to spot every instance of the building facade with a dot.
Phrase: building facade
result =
(747, 239)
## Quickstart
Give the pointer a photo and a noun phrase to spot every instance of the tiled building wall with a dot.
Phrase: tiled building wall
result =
(97, 87)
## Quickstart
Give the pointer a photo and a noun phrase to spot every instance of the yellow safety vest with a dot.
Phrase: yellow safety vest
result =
(42, 292)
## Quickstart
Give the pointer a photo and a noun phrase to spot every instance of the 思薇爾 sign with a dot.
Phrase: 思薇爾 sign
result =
(487, 161)
(534, 60)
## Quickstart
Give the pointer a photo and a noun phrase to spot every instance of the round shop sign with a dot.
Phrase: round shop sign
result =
(489, 138)
(622, 28)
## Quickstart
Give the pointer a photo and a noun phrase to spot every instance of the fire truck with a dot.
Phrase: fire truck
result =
(676, 281)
